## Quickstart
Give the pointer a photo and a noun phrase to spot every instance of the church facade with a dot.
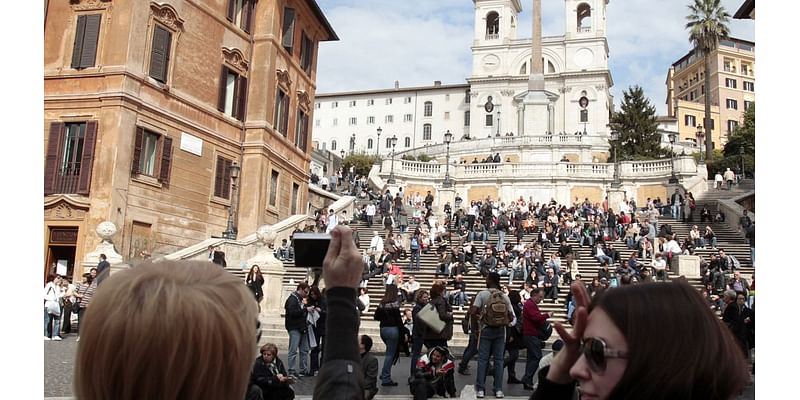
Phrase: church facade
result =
(497, 99)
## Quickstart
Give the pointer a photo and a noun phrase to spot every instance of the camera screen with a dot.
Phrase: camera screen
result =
(310, 249)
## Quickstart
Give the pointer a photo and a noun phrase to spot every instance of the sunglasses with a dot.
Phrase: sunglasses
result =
(596, 352)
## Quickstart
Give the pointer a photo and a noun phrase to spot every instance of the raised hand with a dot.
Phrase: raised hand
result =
(342, 266)
(566, 358)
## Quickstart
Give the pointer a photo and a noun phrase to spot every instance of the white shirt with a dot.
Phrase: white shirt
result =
(672, 247)
(333, 220)
(718, 177)
(371, 209)
(660, 264)
(323, 181)
(377, 244)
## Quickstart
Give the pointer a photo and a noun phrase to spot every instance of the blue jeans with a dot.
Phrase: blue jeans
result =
(712, 242)
(470, 351)
(501, 240)
(605, 258)
(534, 347)
(414, 263)
(676, 211)
(297, 340)
(56, 324)
(391, 337)
(492, 343)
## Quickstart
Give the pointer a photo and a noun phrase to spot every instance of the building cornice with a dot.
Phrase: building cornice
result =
(393, 91)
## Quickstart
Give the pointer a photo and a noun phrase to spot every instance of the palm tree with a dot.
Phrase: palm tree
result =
(708, 23)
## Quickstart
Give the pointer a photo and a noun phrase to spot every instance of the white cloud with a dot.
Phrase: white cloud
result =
(419, 41)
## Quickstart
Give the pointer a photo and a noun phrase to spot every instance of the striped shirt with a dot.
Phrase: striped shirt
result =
(87, 291)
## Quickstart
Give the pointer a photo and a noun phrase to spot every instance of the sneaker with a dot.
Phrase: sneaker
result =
(463, 370)
(47, 339)
(499, 394)
(56, 338)
(480, 394)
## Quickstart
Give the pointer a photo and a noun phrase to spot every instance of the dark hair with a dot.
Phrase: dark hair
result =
(302, 286)
(493, 278)
(514, 297)
(437, 289)
(367, 342)
(317, 296)
(390, 294)
(710, 364)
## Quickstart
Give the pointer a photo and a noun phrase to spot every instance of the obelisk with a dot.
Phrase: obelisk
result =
(536, 101)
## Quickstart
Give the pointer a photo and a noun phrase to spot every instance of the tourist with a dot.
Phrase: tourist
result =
(201, 328)
(388, 313)
(369, 365)
(408, 290)
(255, 282)
(52, 308)
(70, 306)
(611, 350)
(85, 294)
(514, 341)
(269, 379)
(316, 319)
(550, 285)
(532, 322)
(434, 375)
(445, 310)
(295, 322)
(729, 176)
(487, 307)
(718, 180)
(418, 329)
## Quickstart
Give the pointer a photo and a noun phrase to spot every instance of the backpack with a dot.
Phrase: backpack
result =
(732, 261)
(495, 311)
(414, 243)
(545, 331)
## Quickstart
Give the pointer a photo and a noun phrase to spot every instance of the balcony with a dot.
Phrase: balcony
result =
(492, 36)
(66, 181)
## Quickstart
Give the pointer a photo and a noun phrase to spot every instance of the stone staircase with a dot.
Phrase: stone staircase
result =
(727, 238)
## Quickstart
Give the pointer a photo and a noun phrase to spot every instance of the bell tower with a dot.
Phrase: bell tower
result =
(585, 18)
(495, 21)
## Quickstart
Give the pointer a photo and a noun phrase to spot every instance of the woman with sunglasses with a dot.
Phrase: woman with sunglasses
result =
(634, 342)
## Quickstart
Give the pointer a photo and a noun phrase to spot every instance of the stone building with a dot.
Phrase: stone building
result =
(732, 91)
(570, 79)
(167, 117)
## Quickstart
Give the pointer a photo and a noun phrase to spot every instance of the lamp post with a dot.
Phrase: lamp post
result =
(615, 183)
(700, 134)
(230, 231)
(741, 157)
(378, 146)
(391, 173)
(447, 138)
(672, 179)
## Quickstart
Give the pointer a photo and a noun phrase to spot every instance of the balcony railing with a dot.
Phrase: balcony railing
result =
(67, 181)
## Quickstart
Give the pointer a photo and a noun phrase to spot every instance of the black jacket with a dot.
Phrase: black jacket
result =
(265, 376)
(295, 313)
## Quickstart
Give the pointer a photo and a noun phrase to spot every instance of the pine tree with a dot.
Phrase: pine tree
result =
(637, 127)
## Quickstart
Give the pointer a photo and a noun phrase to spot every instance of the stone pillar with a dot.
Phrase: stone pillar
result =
(105, 230)
(688, 266)
(615, 197)
(273, 271)
(443, 196)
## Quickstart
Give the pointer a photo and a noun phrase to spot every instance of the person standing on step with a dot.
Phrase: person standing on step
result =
(494, 310)
(729, 176)
(370, 212)
(415, 247)
(297, 327)
(501, 228)
(532, 321)
(429, 200)
(388, 313)
(744, 222)
(718, 180)
(418, 329)
(103, 269)
(677, 203)
(514, 342)
(432, 338)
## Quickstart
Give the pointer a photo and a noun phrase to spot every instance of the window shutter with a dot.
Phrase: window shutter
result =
(51, 160)
(137, 150)
(90, 37)
(166, 161)
(223, 77)
(77, 47)
(87, 159)
(241, 98)
(247, 15)
(218, 178)
(226, 179)
(159, 54)
(288, 29)
(231, 9)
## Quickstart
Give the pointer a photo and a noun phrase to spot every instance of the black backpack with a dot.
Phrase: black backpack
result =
(545, 331)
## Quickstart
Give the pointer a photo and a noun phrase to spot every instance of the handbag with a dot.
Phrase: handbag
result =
(430, 317)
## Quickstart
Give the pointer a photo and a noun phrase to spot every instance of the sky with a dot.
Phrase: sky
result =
(417, 42)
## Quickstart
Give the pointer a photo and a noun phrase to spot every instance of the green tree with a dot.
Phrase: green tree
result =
(741, 147)
(637, 127)
(362, 162)
(708, 23)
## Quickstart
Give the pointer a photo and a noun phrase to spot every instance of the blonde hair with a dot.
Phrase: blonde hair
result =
(171, 330)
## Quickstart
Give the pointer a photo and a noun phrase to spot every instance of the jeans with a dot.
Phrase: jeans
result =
(416, 350)
(492, 343)
(676, 211)
(316, 354)
(587, 238)
(413, 264)
(391, 337)
(52, 324)
(501, 240)
(297, 339)
(470, 351)
(511, 362)
(605, 258)
(753, 256)
(713, 242)
(534, 347)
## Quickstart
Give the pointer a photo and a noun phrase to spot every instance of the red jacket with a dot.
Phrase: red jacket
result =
(532, 318)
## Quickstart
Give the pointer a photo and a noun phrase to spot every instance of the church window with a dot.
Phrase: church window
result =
(492, 25)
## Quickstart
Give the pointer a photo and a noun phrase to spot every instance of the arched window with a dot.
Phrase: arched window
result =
(584, 16)
(492, 25)
(407, 142)
(551, 69)
(426, 132)
(333, 145)
(524, 69)
(428, 108)
(369, 143)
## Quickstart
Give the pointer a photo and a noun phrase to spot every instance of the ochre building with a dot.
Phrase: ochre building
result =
(149, 107)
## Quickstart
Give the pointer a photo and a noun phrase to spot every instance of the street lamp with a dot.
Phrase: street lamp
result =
(230, 231)
(700, 134)
(391, 174)
(378, 146)
(616, 184)
(447, 138)
(672, 179)
(741, 157)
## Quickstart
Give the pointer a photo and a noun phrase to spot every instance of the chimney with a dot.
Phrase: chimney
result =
(397, 84)
(437, 83)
